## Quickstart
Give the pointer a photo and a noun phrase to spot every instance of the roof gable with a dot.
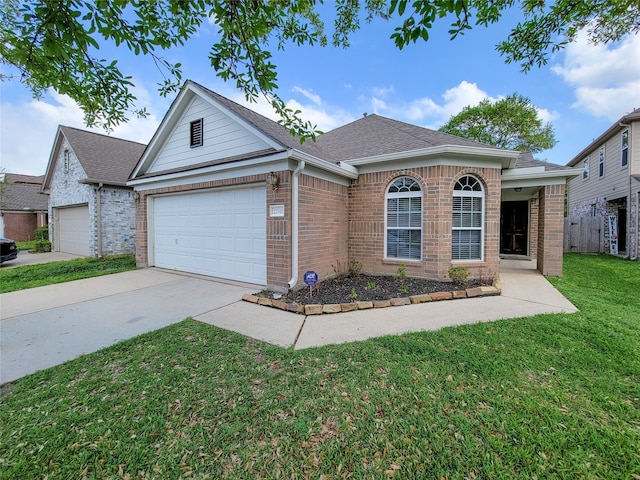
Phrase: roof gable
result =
(616, 128)
(104, 159)
(231, 132)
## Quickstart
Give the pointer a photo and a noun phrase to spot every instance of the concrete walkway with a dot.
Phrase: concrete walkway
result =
(47, 326)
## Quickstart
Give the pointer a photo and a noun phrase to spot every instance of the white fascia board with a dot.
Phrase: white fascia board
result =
(350, 173)
(554, 177)
(521, 171)
(224, 171)
(507, 158)
(255, 166)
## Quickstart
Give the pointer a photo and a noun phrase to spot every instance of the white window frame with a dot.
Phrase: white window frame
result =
(403, 194)
(601, 156)
(585, 169)
(624, 149)
(467, 192)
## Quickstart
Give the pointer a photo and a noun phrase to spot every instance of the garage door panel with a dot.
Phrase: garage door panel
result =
(217, 233)
(73, 226)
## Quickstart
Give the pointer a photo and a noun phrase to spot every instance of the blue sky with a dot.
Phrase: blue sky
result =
(582, 91)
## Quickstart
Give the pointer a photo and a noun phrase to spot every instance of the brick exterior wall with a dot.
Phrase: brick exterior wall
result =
(323, 226)
(278, 228)
(550, 229)
(20, 226)
(117, 208)
(338, 224)
(367, 222)
(533, 227)
(118, 228)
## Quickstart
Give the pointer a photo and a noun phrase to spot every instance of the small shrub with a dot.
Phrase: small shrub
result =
(41, 233)
(371, 285)
(354, 267)
(41, 246)
(402, 272)
(353, 294)
(404, 289)
(459, 274)
(339, 270)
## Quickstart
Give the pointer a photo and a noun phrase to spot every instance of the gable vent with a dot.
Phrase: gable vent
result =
(196, 133)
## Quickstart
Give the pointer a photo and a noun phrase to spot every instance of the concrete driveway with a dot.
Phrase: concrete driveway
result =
(28, 258)
(47, 326)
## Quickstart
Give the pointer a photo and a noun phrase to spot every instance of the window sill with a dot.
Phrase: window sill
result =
(398, 261)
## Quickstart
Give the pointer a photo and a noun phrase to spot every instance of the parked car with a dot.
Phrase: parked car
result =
(8, 250)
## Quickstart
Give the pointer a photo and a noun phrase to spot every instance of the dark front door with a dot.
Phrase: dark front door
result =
(622, 229)
(514, 228)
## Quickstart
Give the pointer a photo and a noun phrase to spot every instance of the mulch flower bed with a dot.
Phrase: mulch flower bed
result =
(360, 292)
(368, 288)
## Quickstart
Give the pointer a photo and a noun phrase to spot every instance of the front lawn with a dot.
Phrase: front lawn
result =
(30, 276)
(551, 396)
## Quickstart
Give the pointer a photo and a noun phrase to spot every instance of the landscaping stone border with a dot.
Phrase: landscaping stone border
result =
(319, 309)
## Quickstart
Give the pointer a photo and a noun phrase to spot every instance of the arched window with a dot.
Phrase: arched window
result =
(404, 219)
(468, 220)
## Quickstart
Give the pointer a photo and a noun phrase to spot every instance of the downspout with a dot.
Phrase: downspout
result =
(98, 221)
(294, 223)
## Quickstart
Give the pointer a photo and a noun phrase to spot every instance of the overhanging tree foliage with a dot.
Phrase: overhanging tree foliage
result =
(512, 123)
(56, 44)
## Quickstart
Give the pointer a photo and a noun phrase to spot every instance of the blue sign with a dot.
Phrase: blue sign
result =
(310, 277)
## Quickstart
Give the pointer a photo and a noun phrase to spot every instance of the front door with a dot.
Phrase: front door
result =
(514, 228)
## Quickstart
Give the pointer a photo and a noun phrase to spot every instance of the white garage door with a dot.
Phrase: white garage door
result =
(73, 230)
(218, 233)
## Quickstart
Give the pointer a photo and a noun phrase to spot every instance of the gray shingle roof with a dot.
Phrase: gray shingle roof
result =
(104, 158)
(19, 178)
(526, 160)
(375, 135)
(23, 196)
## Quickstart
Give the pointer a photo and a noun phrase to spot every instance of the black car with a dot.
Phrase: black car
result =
(8, 250)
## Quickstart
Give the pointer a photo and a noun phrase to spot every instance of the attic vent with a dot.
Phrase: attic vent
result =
(196, 133)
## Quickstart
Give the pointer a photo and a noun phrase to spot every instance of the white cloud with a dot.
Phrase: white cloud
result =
(546, 116)
(434, 112)
(325, 117)
(606, 78)
(29, 128)
(309, 94)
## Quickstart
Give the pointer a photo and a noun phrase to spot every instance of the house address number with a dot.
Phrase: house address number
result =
(276, 210)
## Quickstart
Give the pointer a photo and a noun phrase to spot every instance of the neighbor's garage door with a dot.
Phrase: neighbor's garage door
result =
(218, 233)
(73, 230)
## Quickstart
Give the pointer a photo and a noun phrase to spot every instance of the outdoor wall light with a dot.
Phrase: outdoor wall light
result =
(517, 189)
(273, 180)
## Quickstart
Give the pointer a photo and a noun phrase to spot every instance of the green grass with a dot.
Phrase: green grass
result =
(30, 276)
(26, 246)
(551, 396)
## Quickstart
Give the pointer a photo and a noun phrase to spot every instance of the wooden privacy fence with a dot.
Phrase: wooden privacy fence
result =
(584, 234)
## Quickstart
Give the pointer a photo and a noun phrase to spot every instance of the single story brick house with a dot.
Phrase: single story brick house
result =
(91, 209)
(22, 206)
(226, 192)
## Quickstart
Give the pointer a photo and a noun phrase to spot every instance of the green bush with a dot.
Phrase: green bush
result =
(41, 233)
(41, 246)
(458, 274)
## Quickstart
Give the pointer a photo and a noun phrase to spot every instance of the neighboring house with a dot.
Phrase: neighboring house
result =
(23, 208)
(91, 209)
(609, 185)
(226, 192)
